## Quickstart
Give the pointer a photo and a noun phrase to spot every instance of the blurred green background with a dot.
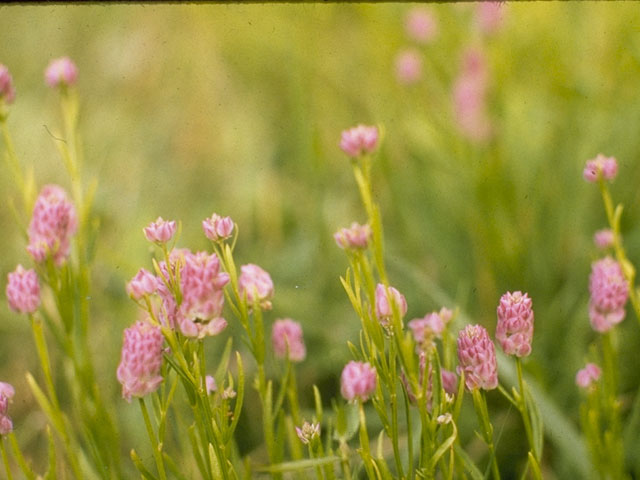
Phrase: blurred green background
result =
(238, 109)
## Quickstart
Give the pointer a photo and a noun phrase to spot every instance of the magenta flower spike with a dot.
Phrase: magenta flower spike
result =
(287, 335)
(514, 331)
(141, 360)
(408, 67)
(144, 283)
(6, 394)
(61, 72)
(421, 25)
(52, 225)
(355, 237)
(358, 381)
(7, 90)
(384, 297)
(160, 231)
(257, 285)
(23, 290)
(600, 167)
(217, 228)
(588, 375)
(609, 292)
(359, 140)
(477, 358)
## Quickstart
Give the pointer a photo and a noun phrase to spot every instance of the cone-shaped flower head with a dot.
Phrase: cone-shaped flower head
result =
(23, 290)
(604, 238)
(408, 66)
(600, 167)
(358, 140)
(287, 335)
(355, 237)
(257, 285)
(384, 297)
(421, 25)
(588, 375)
(52, 225)
(139, 369)
(477, 358)
(514, 331)
(160, 231)
(7, 91)
(308, 432)
(6, 394)
(358, 381)
(61, 72)
(609, 292)
(144, 283)
(217, 228)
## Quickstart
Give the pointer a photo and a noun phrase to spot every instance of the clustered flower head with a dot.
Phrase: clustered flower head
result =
(359, 140)
(144, 283)
(604, 238)
(470, 97)
(52, 225)
(141, 360)
(23, 290)
(609, 292)
(358, 381)
(61, 72)
(6, 394)
(355, 237)
(408, 65)
(160, 231)
(308, 432)
(588, 375)
(217, 228)
(514, 331)
(600, 167)
(7, 91)
(421, 25)
(477, 358)
(384, 298)
(286, 337)
(257, 285)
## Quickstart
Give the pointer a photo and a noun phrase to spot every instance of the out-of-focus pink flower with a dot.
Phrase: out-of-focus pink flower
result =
(600, 167)
(217, 228)
(286, 335)
(587, 375)
(514, 331)
(308, 432)
(358, 381)
(427, 328)
(211, 384)
(144, 283)
(23, 290)
(448, 379)
(160, 231)
(6, 394)
(139, 369)
(603, 238)
(477, 358)
(7, 91)
(488, 16)
(257, 285)
(355, 237)
(52, 225)
(470, 97)
(61, 72)
(7, 390)
(408, 66)
(384, 297)
(609, 292)
(421, 25)
(358, 140)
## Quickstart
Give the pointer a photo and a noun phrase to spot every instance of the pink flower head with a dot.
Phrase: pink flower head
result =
(427, 328)
(286, 336)
(6, 394)
(23, 290)
(589, 374)
(609, 292)
(603, 238)
(7, 91)
(257, 285)
(421, 25)
(308, 432)
(52, 225)
(408, 66)
(7, 390)
(358, 140)
(61, 72)
(600, 167)
(217, 228)
(384, 298)
(470, 97)
(160, 231)
(355, 237)
(488, 16)
(144, 283)
(210, 384)
(514, 331)
(477, 358)
(449, 381)
(201, 283)
(358, 381)
(139, 369)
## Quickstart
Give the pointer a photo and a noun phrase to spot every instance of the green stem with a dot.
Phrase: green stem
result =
(5, 459)
(613, 432)
(523, 410)
(157, 454)
(43, 354)
(480, 404)
(365, 450)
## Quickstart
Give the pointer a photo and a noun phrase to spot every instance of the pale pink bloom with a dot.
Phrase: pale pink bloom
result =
(477, 358)
(384, 298)
(7, 91)
(7, 390)
(355, 237)
(160, 231)
(61, 71)
(421, 25)
(589, 374)
(257, 285)
(604, 238)
(358, 140)
(141, 360)
(514, 330)
(23, 290)
(449, 381)
(488, 16)
(470, 97)
(217, 227)
(308, 432)
(427, 328)
(609, 292)
(211, 384)
(6, 393)
(408, 66)
(52, 225)
(144, 283)
(600, 167)
(286, 336)
(358, 381)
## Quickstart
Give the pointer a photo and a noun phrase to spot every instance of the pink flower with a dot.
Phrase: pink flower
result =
(421, 25)
(6, 394)
(427, 328)
(477, 358)
(609, 292)
(355, 237)
(144, 283)
(7, 390)
(408, 66)
(308, 432)
(448, 379)
(7, 91)
(600, 167)
(589, 374)
(488, 16)
(286, 336)
(160, 231)
(217, 228)
(384, 298)
(603, 238)
(358, 381)
(211, 384)
(52, 225)
(257, 285)
(141, 360)
(61, 72)
(23, 290)
(359, 140)
(470, 98)
(514, 331)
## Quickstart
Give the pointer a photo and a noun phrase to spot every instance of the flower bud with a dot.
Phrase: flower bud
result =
(588, 375)
(600, 167)
(160, 231)
(358, 140)
(604, 238)
(144, 283)
(7, 91)
(217, 228)
(358, 381)
(257, 285)
(355, 237)
(61, 72)
(384, 298)
(286, 337)
(23, 290)
(308, 432)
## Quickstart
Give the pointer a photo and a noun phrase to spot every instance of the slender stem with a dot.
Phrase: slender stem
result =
(523, 410)
(613, 441)
(364, 441)
(43, 353)
(393, 399)
(157, 454)
(480, 404)
(5, 459)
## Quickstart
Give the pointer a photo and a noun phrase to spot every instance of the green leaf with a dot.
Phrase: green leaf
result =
(140, 466)
(51, 471)
(223, 366)
(468, 464)
(318, 403)
(298, 465)
(536, 422)
(537, 474)
(446, 445)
